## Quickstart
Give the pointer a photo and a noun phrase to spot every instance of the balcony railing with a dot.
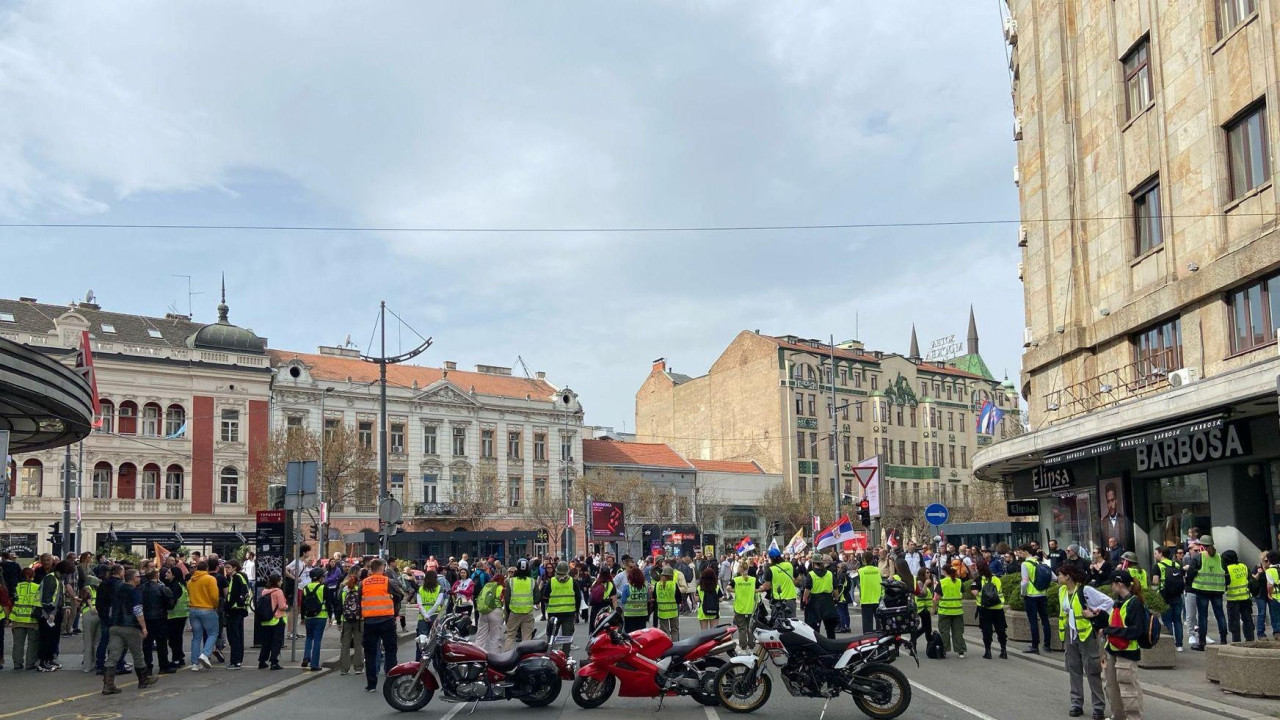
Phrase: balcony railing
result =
(1147, 375)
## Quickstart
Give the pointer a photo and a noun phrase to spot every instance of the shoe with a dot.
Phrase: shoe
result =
(305, 663)
(276, 666)
(1198, 648)
(146, 680)
(961, 656)
(1211, 641)
(371, 689)
(109, 683)
(196, 668)
(76, 631)
(1180, 648)
(1032, 650)
(234, 666)
(1075, 712)
(262, 666)
(217, 655)
(1098, 715)
(204, 660)
(315, 669)
(169, 670)
(1004, 655)
(986, 655)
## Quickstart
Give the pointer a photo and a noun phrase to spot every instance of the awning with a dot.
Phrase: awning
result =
(43, 403)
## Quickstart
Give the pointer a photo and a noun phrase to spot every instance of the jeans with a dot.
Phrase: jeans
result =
(1037, 606)
(1240, 612)
(235, 636)
(1267, 607)
(842, 613)
(315, 633)
(1173, 620)
(204, 632)
(378, 632)
(1203, 602)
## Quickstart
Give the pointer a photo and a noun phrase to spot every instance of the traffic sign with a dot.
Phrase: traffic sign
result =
(936, 514)
(390, 510)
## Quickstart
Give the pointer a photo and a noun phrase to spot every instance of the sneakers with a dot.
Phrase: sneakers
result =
(217, 655)
(234, 666)
(961, 656)
(262, 666)
(1031, 650)
(276, 666)
(1180, 648)
(204, 660)
(371, 689)
(306, 663)
(344, 672)
(196, 668)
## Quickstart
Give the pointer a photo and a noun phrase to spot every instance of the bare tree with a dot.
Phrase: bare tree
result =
(547, 513)
(347, 474)
(477, 500)
(779, 504)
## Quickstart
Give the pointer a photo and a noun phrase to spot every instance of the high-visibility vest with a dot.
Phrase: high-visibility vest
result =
(562, 595)
(1238, 582)
(665, 593)
(820, 584)
(375, 598)
(27, 598)
(319, 589)
(1273, 576)
(91, 605)
(1139, 575)
(869, 584)
(993, 580)
(1121, 614)
(952, 597)
(243, 604)
(1164, 566)
(427, 600)
(1211, 576)
(702, 613)
(1030, 564)
(1084, 627)
(637, 604)
(521, 595)
(744, 594)
(782, 580)
(181, 606)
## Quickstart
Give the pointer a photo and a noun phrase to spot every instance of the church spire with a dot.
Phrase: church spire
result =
(222, 306)
(973, 333)
(915, 345)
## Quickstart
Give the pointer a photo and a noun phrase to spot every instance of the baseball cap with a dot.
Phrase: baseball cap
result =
(1122, 576)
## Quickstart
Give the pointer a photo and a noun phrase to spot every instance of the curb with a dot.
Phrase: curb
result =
(1162, 692)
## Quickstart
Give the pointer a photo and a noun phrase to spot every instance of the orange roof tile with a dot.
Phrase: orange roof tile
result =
(824, 350)
(727, 466)
(334, 368)
(613, 452)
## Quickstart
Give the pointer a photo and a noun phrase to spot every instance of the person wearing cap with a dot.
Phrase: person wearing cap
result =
(1129, 561)
(517, 604)
(1239, 601)
(781, 584)
(1208, 577)
(666, 595)
(819, 604)
(1128, 616)
(1078, 604)
(563, 597)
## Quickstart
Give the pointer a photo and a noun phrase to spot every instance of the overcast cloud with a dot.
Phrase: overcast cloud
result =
(520, 114)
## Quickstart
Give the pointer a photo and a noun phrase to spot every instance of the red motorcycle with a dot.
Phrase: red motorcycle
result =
(647, 664)
(464, 672)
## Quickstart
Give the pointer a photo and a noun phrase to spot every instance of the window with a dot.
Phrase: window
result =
(540, 447)
(173, 482)
(813, 445)
(875, 382)
(951, 422)
(7, 317)
(430, 483)
(915, 453)
(899, 416)
(31, 479)
(799, 404)
(808, 373)
(152, 332)
(151, 482)
(128, 418)
(875, 445)
(229, 486)
(108, 417)
(513, 492)
(150, 420)
(293, 425)
(951, 453)
(888, 448)
(915, 493)
(459, 441)
(1137, 79)
(858, 412)
(1146, 218)
(875, 411)
(1158, 350)
(513, 445)
(800, 445)
(486, 443)
(813, 406)
(831, 447)
(862, 449)
(566, 448)
(231, 426)
(397, 439)
(330, 428)
(364, 431)
(540, 489)
(1254, 311)
(395, 485)
(102, 481)
(429, 442)
(960, 419)
(175, 421)
(1233, 12)
(1248, 157)
(902, 451)
(948, 392)
(964, 456)
(844, 447)
(831, 413)
(108, 328)
(459, 482)
(857, 379)
(804, 485)
(844, 376)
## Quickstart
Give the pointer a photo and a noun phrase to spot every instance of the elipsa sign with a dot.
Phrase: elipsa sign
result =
(1045, 479)
(1192, 444)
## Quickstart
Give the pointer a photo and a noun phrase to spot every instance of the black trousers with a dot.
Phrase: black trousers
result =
(869, 618)
(47, 647)
(925, 628)
(176, 626)
(992, 622)
(235, 636)
(156, 643)
(378, 632)
(272, 641)
(631, 624)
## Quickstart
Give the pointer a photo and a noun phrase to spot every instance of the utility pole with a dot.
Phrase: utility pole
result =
(324, 525)
(835, 430)
(66, 502)
(79, 496)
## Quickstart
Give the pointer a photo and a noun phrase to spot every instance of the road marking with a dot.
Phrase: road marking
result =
(711, 712)
(449, 715)
(976, 713)
(61, 701)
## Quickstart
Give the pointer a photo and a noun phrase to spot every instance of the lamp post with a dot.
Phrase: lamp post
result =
(324, 525)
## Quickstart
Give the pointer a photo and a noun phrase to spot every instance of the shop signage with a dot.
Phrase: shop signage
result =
(1191, 444)
(945, 348)
(1081, 453)
(1019, 508)
(1045, 479)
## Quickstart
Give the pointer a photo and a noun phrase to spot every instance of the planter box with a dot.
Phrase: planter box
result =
(1211, 663)
(1251, 668)
(970, 612)
(1161, 656)
(1020, 630)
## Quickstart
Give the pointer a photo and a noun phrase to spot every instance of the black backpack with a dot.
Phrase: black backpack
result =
(1150, 628)
(263, 609)
(989, 596)
(1173, 581)
(934, 649)
(1042, 577)
(311, 605)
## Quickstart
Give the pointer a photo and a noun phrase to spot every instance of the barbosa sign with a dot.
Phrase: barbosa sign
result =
(1189, 445)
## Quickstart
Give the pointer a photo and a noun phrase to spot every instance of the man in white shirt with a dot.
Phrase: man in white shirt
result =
(913, 558)
(250, 569)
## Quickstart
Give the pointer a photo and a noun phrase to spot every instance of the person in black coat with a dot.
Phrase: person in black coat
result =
(1100, 570)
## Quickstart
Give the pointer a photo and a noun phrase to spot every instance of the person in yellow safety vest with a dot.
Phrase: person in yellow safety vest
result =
(1129, 561)
(744, 604)
(637, 602)
(314, 609)
(666, 595)
(819, 600)
(781, 584)
(1269, 601)
(709, 595)
(518, 606)
(431, 601)
(1124, 692)
(1239, 601)
(1209, 583)
(563, 598)
(991, 618)
(949, 601)
(869, 591)
(1033, 600)
(23, 619)
(272, 626)
(176, 624)
(1172, 615)
(1078, 604)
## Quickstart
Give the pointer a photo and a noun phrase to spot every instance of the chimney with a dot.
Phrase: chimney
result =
(450, 365)
(26, 299)
(540, 375)
(660, 365)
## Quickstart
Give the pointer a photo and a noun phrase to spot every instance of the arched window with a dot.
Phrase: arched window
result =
(128, 418)
(229, 486)
(108, 417)
(150, 420)
(173, 479)
(149, 489)
(127, 481)
(102, 481)
(31, 479)
(175, 421)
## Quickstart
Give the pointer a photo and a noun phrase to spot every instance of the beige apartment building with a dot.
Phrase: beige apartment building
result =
(768, 400)
(1151, 265)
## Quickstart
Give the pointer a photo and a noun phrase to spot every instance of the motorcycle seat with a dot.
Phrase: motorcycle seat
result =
(839, 646)
(684, 647)
(506, 661)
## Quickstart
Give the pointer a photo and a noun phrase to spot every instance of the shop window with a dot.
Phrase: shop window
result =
(1069, 518)
(1177, 504)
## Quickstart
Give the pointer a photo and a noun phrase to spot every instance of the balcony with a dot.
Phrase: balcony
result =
(1145, 376)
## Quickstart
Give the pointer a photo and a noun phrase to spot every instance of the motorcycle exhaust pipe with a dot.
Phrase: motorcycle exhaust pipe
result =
(722, 647)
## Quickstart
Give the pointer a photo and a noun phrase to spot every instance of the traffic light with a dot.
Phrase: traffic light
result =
(315, 531)
(55, 537)
(864, 512)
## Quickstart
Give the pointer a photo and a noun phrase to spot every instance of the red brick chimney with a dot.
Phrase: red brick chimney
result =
(660, 365)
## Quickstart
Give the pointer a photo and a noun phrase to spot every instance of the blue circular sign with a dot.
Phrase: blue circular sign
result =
(936, 514)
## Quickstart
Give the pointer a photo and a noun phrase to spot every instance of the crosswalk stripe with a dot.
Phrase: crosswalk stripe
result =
(976, 713)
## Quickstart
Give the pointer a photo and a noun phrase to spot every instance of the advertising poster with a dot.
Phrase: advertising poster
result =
(607, 521)
(1114, 522)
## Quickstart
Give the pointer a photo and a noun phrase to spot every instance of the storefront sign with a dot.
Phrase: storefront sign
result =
(1081, 453)
(1020, 508)
(1045, 479)
(1200, 442)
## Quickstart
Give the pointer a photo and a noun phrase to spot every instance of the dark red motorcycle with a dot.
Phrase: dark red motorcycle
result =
(647, 664)
(464, 672)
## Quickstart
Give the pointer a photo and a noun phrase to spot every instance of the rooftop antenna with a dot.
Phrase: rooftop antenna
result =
(520, 362)
(190, 294)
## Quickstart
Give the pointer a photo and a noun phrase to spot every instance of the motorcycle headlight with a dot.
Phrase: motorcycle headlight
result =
(423, 640)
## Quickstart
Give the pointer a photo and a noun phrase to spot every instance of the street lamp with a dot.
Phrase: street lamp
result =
(324, 525)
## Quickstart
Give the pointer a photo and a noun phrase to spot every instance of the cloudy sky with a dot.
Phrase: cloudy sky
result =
(520, 115)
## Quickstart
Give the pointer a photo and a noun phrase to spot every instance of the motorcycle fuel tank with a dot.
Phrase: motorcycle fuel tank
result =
(464, 652)
(653, 642)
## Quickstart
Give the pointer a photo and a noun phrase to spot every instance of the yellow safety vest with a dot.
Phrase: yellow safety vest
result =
(1139, 575)
(1238, 585)
(1211, 577)
(951, 602)
(1164, 566)
(1031, 576)
(1126, 645)
(744, 594)
(561, 600)
(637, 604)
(521, 595)
(869, 584)
(665, 593)
(1273, 575)
(780, 577)
(427, 600)
(819, 585)
(702, 614)
(1084, 627)
(24, 605)
(91, 605)
(181, 606)
(983, 582)
(319, 590)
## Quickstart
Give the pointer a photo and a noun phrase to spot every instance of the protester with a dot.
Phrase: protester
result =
(157, 599)
(518, 601)
(948, 603)
(1034, 601)
(128, 628)
(666, 595)
(1078, 605)
(1208, 578)
(818, 598)
(203, 597)
(636, 601)
(709, 594)
(24, 618)
(351, 621)
(1124, 692)
(990, 605)
(270, 608)
(315, 615)
(377, 603)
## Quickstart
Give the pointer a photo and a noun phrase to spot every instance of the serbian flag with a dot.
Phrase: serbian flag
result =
(745, 545)
(834, 534)
(84, 366)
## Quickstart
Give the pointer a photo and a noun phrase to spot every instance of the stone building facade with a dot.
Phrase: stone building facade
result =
(1151, 260)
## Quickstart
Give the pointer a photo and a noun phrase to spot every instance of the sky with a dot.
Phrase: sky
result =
(544, 116)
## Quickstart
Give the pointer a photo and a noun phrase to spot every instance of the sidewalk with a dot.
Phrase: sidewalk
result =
(1184, 684)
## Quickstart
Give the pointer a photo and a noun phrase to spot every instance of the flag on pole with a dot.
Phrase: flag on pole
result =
(989, 416)
(745, 545)
(180, 432)
(162, 553)
(797, 543)
(84, 366)
(834, 534)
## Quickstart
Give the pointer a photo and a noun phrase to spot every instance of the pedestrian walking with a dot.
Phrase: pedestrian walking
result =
(869, 591)
(1124, 692)
(819, 603)
(517, 604)
(351, 623)
(128, 628)
(377, 606)
(949, 603)
(490, 606)
(315, 616)
(1080, 607)
(269, 609)
(989, 598)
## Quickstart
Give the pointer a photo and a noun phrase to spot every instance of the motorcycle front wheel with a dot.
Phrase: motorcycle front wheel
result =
(545, 695)
(737, 692)
(895, 698)
(406, 693)
(706, 692)
(590, 693)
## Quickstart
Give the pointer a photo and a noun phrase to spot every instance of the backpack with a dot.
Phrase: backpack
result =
(263, 609)
(1150, 625)
(710, 604)
(989, 596)
(311, 605)
(934, 649)
(488, 601)
(1173, 581)
(597, 593)
(351, 609)
(1042, 577)
(1258, 586)
(962, 570)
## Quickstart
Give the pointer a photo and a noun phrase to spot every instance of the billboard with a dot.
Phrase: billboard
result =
(607, 521)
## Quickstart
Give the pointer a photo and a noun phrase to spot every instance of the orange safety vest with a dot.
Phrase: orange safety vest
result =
(375, 600)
